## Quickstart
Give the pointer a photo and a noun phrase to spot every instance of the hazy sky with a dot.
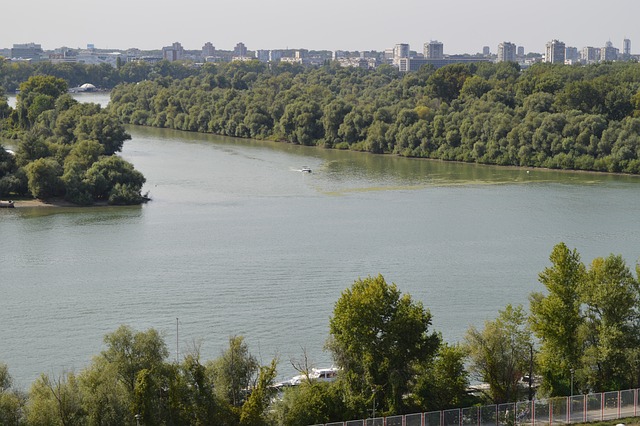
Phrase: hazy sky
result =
(464, 26)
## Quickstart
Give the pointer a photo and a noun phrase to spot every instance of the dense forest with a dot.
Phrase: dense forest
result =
(582, 334)
(64, 149)
(555, 116)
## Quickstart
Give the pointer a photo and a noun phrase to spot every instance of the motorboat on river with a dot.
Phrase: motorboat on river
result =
(6, 204)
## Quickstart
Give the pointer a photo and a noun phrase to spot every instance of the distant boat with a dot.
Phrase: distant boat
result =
(6, 204)
(305, 169)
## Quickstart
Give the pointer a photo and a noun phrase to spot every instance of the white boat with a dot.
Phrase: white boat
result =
(318, 374)
(305, 169)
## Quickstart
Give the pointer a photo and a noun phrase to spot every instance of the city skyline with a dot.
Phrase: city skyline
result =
(464, 26)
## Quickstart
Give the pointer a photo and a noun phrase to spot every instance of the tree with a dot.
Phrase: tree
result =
(379, 337)
(131, 351)
(612, 325)
(38, 94)
(234, 372)
(55, 402)
(104, 128)
(500, 354)
(106, 398)
(556, 319)
(43, 177)
(254, 410)
(311, 403)
(12, 402)
(103, 176)
(443, 384)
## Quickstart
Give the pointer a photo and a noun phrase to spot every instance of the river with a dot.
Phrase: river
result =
(238, 241)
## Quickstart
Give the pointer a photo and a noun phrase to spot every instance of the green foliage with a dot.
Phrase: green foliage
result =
(54, 402)
(38, 94)
(66, 149)
(443, 384)
(12, 402)
(311, 403)
(254, 410)
(489, 113)
(44, 178)
(588, 324)
(612, 325)
(379, 338)
(234, 372)
(501, 354)
(556, 319)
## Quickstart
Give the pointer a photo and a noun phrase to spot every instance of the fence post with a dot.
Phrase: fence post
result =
(619, 403)
(533, 413)
(602, 406)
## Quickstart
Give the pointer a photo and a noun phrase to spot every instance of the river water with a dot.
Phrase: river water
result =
(238, 241)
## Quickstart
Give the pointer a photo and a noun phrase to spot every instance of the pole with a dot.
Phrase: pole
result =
(177, 349)
(572, 371)
(531, 373)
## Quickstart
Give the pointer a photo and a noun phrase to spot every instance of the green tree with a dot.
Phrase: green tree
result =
(104, 128)
(55, 402)
(106, 398)
(379, 338)
(254, 410)
(311, 403)
(556, 319)
(234, 372)
(500, 354)
(103, 176)
(44, 178)
(612, 325)
(131, 351)
(38, 94)
(443, 384)
(12, 402)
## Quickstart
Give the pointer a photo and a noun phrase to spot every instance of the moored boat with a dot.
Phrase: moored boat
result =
(6, 204)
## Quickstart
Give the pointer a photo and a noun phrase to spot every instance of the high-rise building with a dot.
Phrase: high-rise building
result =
(626, 48)
(555, 52)
(262, 55)
(520, 51)
(506, 52)
(590, 55)
(486, 50)
(175, 52)
(434, 50)
(608, 52)
(240, 50)
(401, 50)
(571, 54)
(208, 50)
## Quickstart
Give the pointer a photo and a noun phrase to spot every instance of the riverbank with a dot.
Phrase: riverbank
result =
(56, 202)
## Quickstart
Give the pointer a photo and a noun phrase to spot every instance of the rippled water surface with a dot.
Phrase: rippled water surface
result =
(238, 241)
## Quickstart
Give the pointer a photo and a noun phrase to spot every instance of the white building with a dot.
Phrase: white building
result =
(506, 52)
(555, 52)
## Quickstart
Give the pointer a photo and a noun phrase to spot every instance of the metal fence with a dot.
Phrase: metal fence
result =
(552, 411)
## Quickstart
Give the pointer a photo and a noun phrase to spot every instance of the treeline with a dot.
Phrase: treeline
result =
(556, 116)
(104, 76)
(64, 148)
(583, 333)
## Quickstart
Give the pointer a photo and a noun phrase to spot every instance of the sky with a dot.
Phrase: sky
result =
(463, 26)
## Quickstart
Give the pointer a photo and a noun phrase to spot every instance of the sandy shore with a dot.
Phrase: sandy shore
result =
(48, 203)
